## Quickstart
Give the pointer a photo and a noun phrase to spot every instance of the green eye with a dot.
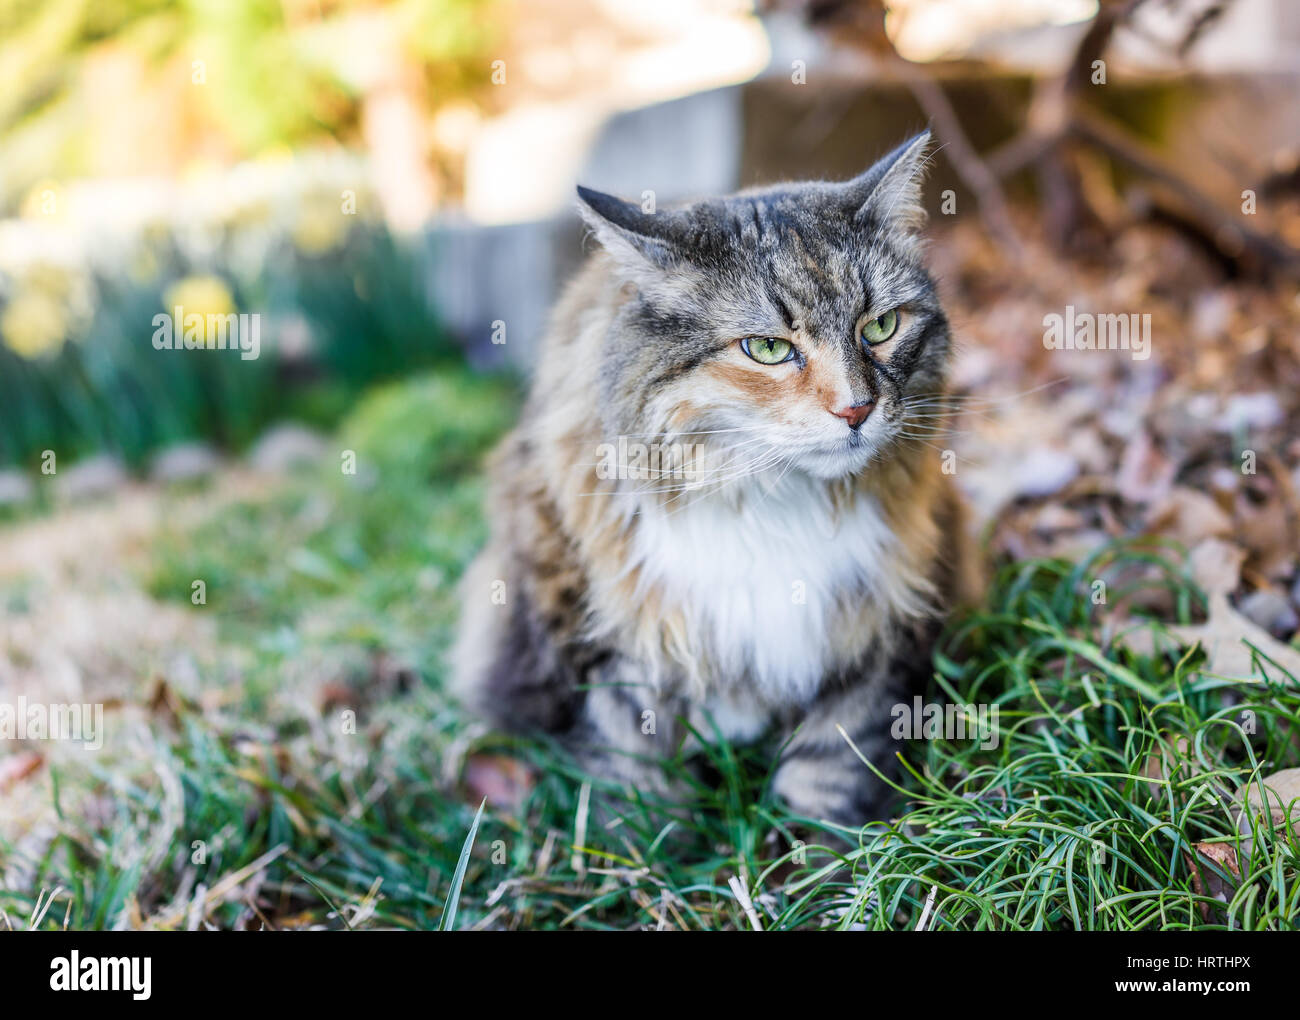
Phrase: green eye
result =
(881, 328)
(768, 350)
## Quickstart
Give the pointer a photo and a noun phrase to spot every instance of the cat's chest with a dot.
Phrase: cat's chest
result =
(771, 590)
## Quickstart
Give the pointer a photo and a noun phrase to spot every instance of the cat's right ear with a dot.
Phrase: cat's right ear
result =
(635, 238)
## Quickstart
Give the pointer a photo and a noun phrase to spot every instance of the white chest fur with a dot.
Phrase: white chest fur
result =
(764, 585)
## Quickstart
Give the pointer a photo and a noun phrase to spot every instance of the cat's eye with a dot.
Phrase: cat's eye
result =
(768, 350)
(881, 328)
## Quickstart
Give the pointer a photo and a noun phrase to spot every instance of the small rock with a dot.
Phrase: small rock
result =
(96, 476)
(184, 462)
(285, 447)
(1269, 609)
(15, 488)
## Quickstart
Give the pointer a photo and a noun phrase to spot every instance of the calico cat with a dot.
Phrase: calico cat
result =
(781, 568)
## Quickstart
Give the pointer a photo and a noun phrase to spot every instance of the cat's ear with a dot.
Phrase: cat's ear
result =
(890, 192)
(631, 235)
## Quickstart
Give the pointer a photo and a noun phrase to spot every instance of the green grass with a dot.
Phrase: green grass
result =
(336, 594)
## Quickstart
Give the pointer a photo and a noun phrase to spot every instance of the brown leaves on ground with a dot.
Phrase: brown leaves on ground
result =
(16, 767)
(1281, 793)
(1269, 805)
(1062, 451)
(1218, 884)
(1231, 643)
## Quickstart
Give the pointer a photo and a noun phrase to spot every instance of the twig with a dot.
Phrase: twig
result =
(1127, 148)
(964, 159)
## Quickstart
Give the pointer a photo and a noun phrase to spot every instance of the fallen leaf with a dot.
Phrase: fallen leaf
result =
(1224, 637)
(1145, 473)
(1189, 517)
(17, 767)
(1216, 566)
(1264, 528)
(504, 782)
(1208, 882)
(1283, 792)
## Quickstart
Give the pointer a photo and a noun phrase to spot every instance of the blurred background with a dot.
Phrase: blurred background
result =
(387, 184)
(229, 553)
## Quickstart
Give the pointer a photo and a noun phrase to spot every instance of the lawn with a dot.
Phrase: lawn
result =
(309, 771)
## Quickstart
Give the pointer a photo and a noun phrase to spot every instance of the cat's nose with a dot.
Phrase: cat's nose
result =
(855, 414)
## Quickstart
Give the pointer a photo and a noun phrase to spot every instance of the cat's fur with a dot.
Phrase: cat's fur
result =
(791, 589)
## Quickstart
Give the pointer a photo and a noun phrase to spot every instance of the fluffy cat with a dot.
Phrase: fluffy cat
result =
(718, 505)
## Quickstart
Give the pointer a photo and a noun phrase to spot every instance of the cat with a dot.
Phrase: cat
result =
(781, 568)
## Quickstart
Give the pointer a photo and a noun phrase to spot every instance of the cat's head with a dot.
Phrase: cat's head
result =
(790, 324)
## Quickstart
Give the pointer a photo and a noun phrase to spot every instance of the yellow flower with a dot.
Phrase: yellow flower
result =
(198, 295)
(33, 324)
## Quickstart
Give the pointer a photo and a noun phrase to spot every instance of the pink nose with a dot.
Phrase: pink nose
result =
(855, 414)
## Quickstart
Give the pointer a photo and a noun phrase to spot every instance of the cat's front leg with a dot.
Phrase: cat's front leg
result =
(626, 730)
(819, 774)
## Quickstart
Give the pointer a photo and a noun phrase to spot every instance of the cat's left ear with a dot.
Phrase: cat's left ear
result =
(890, 192)
(635, 238)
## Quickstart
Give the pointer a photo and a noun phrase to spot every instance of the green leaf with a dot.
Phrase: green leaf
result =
(448, 921)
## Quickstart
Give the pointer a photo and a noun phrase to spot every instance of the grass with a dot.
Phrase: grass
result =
(312, 777)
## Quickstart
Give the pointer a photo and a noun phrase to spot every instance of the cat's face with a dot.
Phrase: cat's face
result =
(788, 327)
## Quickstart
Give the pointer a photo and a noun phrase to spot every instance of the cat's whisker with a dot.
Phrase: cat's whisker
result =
(923, 442)
(772, 460)
(734, 472)
(970, 399)
(667, 438)
(920, 428)
(679, 468)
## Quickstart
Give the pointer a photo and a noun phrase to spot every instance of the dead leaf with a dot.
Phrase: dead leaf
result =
(1145, 473)
(1264, 527)
(1224, 636)
(1208, 882)
(1189, 517)
(16, 767)
(1283, 792)
(1216, 566)
(505, 782)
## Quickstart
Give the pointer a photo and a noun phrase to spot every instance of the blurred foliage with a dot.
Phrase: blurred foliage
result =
(333, 320)
(273, 73)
